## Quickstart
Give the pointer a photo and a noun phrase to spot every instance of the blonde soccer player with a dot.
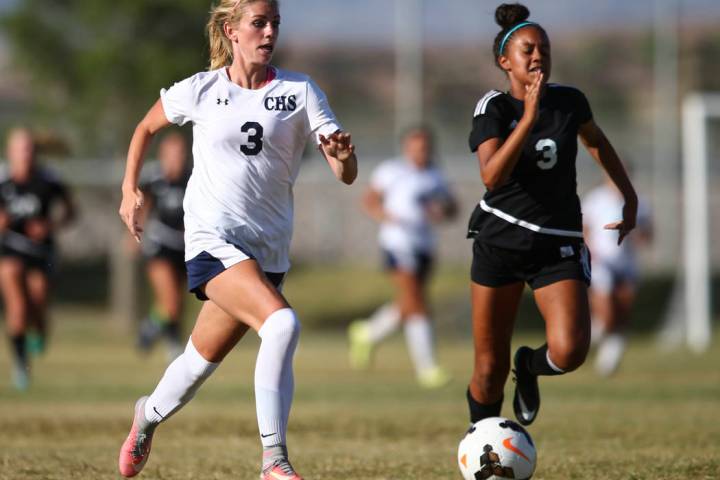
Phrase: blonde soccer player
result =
(251, 121)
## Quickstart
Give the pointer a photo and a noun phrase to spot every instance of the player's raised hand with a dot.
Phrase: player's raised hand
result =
(338, 145)
(627, 224)
(532, 96)
(130, 206)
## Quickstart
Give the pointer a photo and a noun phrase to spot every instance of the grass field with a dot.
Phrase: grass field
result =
(657, 419)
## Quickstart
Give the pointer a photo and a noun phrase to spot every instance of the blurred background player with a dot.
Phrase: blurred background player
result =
(29, 195)
(614, 271)
(163, 245)
(406, 196)
(251, 122)
(528, 226)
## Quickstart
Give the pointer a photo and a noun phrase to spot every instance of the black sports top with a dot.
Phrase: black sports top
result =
(539, 201)
(165, 224)
(30, 200)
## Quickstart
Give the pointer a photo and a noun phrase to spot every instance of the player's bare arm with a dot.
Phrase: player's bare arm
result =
(340, 155)
(604, 154)
(372, 204)
(498, 159)
(132, 197)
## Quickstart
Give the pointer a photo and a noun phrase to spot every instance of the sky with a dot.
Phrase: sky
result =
(448, 21)
(452, 21)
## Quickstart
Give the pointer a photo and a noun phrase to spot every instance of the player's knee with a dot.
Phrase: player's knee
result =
(197, 364)
(17, 313)
(282, 326)
(569, 355)
(173, 311)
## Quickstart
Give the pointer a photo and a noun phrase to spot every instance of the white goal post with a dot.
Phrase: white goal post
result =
(698, 110)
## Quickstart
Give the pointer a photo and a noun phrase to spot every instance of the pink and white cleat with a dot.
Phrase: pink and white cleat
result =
(280, 470)
(136, 448)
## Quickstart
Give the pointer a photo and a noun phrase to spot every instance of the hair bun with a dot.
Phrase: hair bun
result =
(509, 14)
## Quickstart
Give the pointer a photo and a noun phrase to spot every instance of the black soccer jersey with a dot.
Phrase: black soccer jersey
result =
(165, 223)
(30, 200)
(539, 201)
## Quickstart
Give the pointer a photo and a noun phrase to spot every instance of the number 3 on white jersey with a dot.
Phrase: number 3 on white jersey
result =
(548, 148)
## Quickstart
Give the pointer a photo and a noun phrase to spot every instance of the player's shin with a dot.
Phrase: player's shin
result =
(178, 386)
(274, 383)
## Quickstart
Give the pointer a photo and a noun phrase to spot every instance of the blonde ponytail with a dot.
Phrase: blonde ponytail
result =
(225, 11)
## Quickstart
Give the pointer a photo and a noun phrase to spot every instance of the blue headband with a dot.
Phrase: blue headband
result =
(510, 32)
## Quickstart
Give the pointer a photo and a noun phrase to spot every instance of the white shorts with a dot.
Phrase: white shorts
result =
(607, 276)
(216, 255)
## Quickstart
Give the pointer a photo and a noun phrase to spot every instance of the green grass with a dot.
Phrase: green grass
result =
(657, 419)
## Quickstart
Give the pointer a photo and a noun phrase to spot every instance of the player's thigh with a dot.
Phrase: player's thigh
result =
(12, 279)
(565, 308)
(12, 285)
(410, 292)
(245, 293)
(493, 319)
(216, 332)
(166, 283)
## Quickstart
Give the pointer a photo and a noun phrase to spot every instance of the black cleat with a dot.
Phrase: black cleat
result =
(526, 401)
(148, 334)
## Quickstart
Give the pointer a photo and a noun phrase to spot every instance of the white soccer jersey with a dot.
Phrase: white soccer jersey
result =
(406, 190)
(247, 146)
(604, 205)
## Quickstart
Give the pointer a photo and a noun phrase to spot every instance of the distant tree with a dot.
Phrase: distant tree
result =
(95, 66)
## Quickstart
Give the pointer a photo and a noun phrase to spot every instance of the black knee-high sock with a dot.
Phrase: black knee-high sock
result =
(538, 363)
(172, 331)
(19, 349)
(479, 411)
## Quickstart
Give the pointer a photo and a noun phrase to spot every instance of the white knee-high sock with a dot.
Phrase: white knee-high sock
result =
(383, 322)
(419, 338)
(274, 382)
(177, 387)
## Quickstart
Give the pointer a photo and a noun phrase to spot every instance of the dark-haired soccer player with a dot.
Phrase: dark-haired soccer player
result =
(528, 226)
(164, 245)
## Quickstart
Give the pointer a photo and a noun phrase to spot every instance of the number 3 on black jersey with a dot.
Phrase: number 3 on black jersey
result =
(548, 148)
(255, 139)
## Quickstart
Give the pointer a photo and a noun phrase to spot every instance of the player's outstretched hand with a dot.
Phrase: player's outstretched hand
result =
(338, 145)
(627, 224)
(130, 206)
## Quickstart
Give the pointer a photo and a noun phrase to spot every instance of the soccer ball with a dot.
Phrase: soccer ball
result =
(496, 448)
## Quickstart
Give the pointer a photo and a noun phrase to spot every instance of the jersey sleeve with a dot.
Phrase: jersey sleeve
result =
(321, 118)
(442, 188)
(382, 177)
(582, 107)
(58, 189)
(487, 121)
(179, 101)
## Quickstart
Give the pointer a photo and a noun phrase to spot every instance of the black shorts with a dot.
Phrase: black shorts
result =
(43, 262)
(418, 263)
(496, 267)
(152, 251)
